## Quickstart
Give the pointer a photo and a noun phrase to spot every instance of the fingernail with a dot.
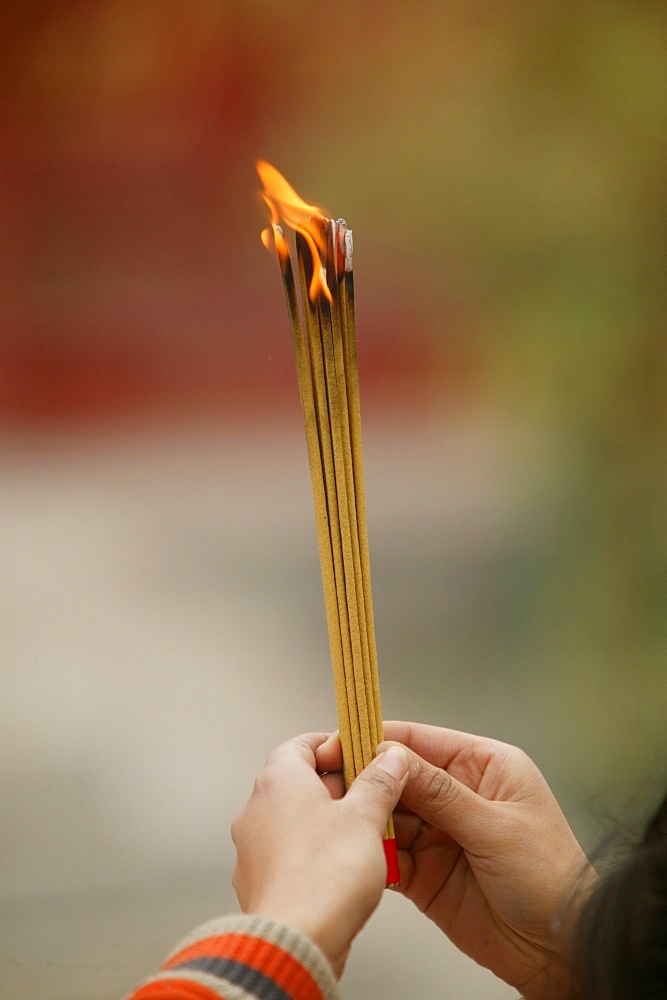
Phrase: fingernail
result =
(394, 761)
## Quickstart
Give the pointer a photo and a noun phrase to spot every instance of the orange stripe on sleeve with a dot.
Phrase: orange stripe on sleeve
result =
(174, 989)
(267, 958)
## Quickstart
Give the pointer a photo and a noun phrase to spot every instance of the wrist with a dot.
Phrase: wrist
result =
(557, 980)
(324, 934)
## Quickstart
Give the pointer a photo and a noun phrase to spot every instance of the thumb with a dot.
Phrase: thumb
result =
(439, 799)
(378, 788)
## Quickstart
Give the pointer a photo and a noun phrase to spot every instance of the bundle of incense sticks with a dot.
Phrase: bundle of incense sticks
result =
(321, 315)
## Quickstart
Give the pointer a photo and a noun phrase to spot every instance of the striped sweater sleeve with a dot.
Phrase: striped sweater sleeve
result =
(242, 958)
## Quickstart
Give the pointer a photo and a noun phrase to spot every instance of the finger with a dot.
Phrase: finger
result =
(414, 834)
(408, 828)
(439, 746)
(329, 754)
(376, 791)
(301, 747)
(438, 798)
(291, 765)
(334, 784)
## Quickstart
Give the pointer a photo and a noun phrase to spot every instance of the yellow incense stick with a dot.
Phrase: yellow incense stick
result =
(324, 341)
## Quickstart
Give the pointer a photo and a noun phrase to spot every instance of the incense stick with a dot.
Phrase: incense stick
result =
(322, 321)
(352, 755)
(306, 393)
(346, 283)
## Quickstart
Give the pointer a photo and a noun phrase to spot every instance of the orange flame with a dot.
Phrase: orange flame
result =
(284, 203)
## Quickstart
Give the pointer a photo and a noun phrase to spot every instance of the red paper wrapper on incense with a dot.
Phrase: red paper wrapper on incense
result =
(321, 315)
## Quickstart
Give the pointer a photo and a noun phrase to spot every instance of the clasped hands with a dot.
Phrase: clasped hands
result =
(484, 848)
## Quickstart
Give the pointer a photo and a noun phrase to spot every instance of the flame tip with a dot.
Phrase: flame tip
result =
(310, 223)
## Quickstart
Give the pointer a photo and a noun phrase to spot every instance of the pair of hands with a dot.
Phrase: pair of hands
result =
(485, 851)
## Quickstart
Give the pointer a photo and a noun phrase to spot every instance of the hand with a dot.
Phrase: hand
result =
(485, 852)
(309, 854)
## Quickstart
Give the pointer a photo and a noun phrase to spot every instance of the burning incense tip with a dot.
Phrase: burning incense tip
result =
(286, 205)
(280, 244)
(349, 247)
(279, 192)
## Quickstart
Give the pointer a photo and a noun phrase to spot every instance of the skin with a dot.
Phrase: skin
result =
(488, 855)
(310, 856)
(485, 851)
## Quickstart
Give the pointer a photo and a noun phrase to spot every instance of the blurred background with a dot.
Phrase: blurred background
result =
(503, 169)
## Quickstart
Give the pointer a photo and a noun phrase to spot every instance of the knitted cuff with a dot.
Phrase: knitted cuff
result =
(237, 957)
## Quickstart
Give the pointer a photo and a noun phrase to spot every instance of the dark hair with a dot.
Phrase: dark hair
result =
(621, 943)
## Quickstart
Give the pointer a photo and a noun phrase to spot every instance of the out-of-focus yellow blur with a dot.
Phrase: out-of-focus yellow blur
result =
(502, 167)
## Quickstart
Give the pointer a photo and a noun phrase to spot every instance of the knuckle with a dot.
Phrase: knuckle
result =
(438, 789)
(513, 757)
(275, 756)
(261, 785)
(517, 756)
(235, 829)
(382, 782)
(517, 762)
